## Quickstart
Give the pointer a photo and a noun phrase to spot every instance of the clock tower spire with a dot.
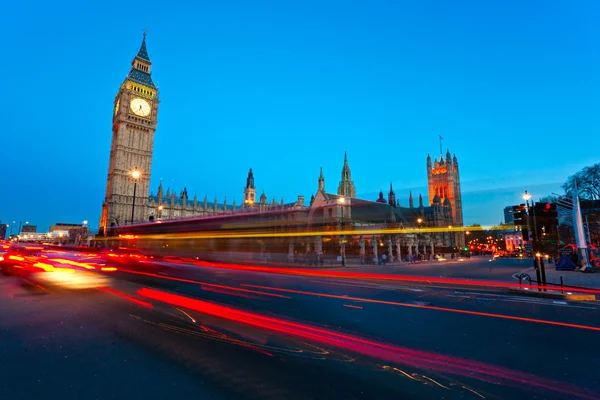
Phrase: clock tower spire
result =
(133, 126)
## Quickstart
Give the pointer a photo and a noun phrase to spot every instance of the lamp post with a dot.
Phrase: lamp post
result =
(160, 208)
(419, 221)
(342, 200)
(527, 197)
(135, 174)
(538, 263)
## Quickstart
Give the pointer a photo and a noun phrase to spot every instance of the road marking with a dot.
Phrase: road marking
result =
(352, 306)
(515, 299)
(368, 285)
(417, 303)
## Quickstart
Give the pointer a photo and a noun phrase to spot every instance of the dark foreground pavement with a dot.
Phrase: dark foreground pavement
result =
(439, 342)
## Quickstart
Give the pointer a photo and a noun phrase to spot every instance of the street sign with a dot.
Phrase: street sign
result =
(528, 247)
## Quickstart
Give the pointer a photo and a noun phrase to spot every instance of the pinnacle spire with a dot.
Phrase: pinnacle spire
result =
(143, 52)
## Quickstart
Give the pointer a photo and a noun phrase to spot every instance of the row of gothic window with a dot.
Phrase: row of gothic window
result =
(139, 120)
(143, 91)
(142, 67)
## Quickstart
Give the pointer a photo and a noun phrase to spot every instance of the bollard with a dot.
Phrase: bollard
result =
(520, 279)
(561, 285)
(543, 270)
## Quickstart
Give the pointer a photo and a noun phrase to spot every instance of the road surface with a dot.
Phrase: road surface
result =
(166, 329)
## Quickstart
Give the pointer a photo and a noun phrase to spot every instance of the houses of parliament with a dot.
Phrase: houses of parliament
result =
(129, 200)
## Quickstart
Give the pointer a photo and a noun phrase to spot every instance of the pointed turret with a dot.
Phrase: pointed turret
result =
(391, 196)
(215, 207)
(225, 203)
(168, 196)
(205, 202)
(141, 67)
(346, 187)
(195, 200)
(420, 201)
(250, 180)
(160, 192)
(263, 198)
(249, 190)
(448, 156)
(321, 181)
(143, 53)
(234, 205)
(380, 199)
(312, 199)
(411, 203)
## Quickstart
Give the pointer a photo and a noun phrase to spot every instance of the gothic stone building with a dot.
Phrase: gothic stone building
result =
(134, 124)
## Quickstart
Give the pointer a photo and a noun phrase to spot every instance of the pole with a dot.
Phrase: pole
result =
(133, 204)
(20, 223)
(529, 225)
(536, 248)
(543, 269)
(343, 244)
(537, 273)
(587, 225)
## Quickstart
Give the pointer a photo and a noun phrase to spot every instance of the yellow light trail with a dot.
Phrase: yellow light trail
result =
(266, 234)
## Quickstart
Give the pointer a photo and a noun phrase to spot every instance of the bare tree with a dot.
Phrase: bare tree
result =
(588, 182)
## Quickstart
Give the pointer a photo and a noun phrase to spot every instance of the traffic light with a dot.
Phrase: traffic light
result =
(546, 218)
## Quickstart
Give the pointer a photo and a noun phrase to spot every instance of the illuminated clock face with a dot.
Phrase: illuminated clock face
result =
(140, 107)
(117, 106)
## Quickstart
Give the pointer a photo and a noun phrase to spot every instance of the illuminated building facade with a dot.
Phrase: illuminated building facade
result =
(443, 182)
(134, 121)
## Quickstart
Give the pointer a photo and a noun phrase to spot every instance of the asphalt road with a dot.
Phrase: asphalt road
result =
(476, 267)
(264, 335)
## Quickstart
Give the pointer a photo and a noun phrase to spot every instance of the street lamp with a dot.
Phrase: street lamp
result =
(527, 197)
(419, 221)
(135, 174)
(342, 200)
(160, 208)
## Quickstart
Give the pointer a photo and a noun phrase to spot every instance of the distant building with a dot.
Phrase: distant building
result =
(2, 231)
(513, 240)
(508, 215)
(29, 229)
(62, 226)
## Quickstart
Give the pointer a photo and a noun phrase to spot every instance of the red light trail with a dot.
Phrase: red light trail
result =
(172, 278)
(385, 277)
(446, 364)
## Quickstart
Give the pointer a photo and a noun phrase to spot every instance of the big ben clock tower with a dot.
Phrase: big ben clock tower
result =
(133, 125)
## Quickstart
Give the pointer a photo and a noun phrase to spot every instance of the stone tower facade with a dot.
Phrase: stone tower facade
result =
(250, 190)
(346, 187)
(134, 121)
(443, 182)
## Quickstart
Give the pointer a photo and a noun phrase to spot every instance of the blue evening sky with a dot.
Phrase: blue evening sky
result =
(285, 87)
